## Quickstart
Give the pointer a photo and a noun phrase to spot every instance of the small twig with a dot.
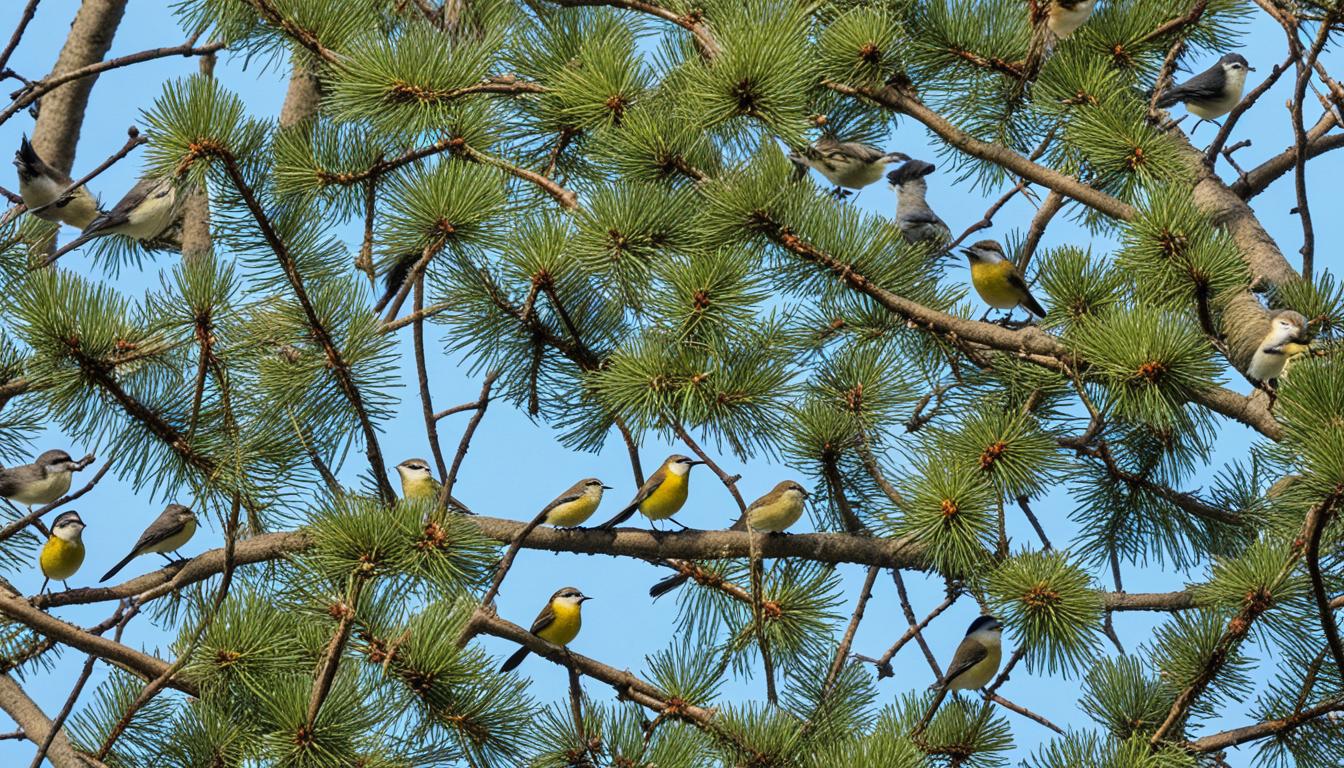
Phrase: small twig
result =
(729, 481)
(883, 663)
(847, 641)
(464, 444)
(1025, 505)
(632, 448)
(506, 562)
(909, 612)
(756, 570)
(331, 660)
(1313, 556)
(1023, 711)
(29, 11)
(422, 376)
(987, 220)
(1051, 205)
(456, 409)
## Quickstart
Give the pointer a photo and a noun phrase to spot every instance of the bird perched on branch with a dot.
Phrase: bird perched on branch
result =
(1285, 338)
(846, 164)
(916, 220)
(1213, 92)
(43, 189)
(577, 504)
(661, 496)
(1056, 21)
(146, 213)
(974, 664)
(558, 623)
(395, 277)
(42, 482)
(172, 529)
(775, 512)
(63, 553)
(997, 280)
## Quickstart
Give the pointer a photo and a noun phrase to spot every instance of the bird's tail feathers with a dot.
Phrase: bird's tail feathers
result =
(667, 585)
(1034, 306)
(117, 567)
(517, 658)
(27, 155)
(621, 517)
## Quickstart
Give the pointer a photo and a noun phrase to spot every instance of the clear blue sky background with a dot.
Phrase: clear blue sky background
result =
(622, 626)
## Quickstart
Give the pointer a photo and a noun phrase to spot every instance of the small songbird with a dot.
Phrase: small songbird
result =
(558, 623)
(41, 186)
(1213, 92)
(416, 480)
(173, 528)
(974, 664)
(662, 495)
(145, 213)
(1285, 339)
(846, 164)
(997, 280)
(576, 504)
(774, 512)
(394, 278)
(63, 553)
(1066, 16)
(41, 482)
(916, 220)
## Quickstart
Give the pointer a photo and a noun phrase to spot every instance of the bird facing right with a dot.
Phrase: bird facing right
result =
(1285, 339)
(846, 164)
(63, 553)
(1213, 92)
(661, 496)
(577, 504)
(1066, 16)
(42, 482)
(173, 528)
(417, 482)
(559, 623)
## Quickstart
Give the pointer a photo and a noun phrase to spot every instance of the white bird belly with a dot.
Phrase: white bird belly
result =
(1064, 22)
(855, 175)
(176, 541)
(1266, 365)
(44, 491)
(149, 219)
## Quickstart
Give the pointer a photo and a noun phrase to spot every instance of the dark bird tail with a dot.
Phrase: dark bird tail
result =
(621, 517)
(1033, 305)
(26, 158)
(667, 585)
(1169, 97)
(933, 706)
(118, 567)
(394, 278)
(517, 658)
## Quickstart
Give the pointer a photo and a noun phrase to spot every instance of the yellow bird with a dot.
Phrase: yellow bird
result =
(416, 480)
(558, 623)
(774, 512)
(997, 280)
(662, 495)
(63, 553)
(575, 505)
(1285, 339)
(974, 664)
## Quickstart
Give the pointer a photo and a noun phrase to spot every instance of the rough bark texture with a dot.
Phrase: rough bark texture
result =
(302, 98)
(35, 724)
(196, 242)
(61, 112)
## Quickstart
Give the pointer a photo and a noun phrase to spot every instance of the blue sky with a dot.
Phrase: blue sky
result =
(509, 443)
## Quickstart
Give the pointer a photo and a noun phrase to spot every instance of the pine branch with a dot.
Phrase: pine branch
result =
(1315, 530)
(1230, 738)
(331, 660)
(1320, 140)
(422, 377)
(29, 10)
(482, 403)
(704, 39)
(847, 641)
(18, 705)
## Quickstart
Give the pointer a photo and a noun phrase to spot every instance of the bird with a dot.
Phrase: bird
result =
(42, 188)
(774, 512)
(1066, 16)
(416, 480)
(576, 504)
(145, 213)
(173, 528)
(557, 623)
(974, 664)
(1285, 339)
(63, 553)
(1213, 92)
(916, 220)
(997, 280)
(662, 495)
(42, 482)
(846, 164)
(394, 278)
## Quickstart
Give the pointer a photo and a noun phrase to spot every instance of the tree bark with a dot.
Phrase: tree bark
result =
(302, 98)
(61, 112)
(196, 243)
(35, 724)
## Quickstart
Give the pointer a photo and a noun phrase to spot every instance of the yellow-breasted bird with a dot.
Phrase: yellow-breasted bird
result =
(576, 504)
(974, 664)
(173, 528)
(997, 280)
(42, 482)
(1284, 339)
(558, 623)
(774, 513)
(416, 480)
(41, 186)
(662, 495)
(63, 553)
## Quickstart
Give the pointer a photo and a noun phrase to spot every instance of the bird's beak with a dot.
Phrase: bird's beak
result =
(967, 252)
(607, 487)
(693, 463)
(1250, 69)
(584, 599)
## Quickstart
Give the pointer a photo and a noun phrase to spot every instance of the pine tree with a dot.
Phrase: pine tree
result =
(591, 203)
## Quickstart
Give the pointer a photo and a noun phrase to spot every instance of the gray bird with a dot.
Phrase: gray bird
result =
(916, 220)
(1213, 92)
(172, 529)
(846, 164)
(41, 482)
(41, 187)
(145, 213)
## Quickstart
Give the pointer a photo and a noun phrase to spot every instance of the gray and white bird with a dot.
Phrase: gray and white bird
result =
(1285, 339)
(916, 220)
(846, 164)
(42, 482)
(172, 529)
(1066, 16)
(1213, 92)
(41, 188)
(974, 664)
(146, 212)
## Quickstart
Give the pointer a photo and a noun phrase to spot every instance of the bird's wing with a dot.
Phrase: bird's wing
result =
(124, 206)
(1020, 285)
(1206, 85)
(853, 149)
(968, 655)
(163, 527)
(544, 619)
(920, 216)
(649, 486)
(573, 494)
(12, 480)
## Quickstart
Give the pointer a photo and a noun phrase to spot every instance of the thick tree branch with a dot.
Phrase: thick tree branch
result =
(36, 726)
